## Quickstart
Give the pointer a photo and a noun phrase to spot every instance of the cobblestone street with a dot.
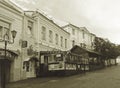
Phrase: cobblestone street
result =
(105, 78)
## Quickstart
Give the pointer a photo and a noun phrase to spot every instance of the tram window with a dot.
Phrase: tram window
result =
(58, 57)
(50, 59)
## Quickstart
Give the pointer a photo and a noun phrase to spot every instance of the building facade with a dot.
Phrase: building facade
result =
(80, 36)
(50, 35)
(40, 34)
(74, 34)
(11, 18)
(36, 33)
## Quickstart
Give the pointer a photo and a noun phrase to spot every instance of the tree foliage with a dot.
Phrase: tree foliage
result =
(106, 48)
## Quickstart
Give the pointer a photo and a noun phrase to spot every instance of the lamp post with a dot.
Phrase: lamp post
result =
(6, 40)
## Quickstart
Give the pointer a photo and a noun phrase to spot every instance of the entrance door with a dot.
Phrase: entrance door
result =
(7, 70)
(46, 63)
(5, 66)
(31, 69)
(44, 66)
(1, 73)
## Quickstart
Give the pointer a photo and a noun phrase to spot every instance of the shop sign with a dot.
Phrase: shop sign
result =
(30, 51)
(8, 54)
(58, 55)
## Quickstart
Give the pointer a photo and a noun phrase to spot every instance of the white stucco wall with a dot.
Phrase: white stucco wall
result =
(78, 37)
(14, 18)
(42, 21)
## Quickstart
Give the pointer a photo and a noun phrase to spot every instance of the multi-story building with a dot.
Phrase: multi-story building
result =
(87, 38)
(11, 18)
(74, 34)
(80, 36)
(48, 35)
(83, 41)
(40, 34)
(35, 33)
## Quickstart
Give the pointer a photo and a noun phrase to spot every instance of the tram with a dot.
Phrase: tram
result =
(70, 62)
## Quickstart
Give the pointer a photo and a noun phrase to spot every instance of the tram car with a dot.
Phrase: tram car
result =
(61, 63)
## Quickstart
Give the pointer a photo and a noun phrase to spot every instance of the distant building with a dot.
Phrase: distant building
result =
(74, 34)
(80, 36)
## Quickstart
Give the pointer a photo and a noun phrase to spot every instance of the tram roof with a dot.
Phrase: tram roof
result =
(79, 50)
(52, 52)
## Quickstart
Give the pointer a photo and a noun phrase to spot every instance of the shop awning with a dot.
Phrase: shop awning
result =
(10, 55)
(9, 51)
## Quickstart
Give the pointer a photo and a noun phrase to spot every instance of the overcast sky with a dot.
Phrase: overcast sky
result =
(101, 17)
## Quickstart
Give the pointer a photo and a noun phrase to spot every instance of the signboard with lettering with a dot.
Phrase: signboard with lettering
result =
(8, 54)
(24, 44)
(30, 51)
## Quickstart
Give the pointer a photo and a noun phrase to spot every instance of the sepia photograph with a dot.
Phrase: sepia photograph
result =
(59, 44)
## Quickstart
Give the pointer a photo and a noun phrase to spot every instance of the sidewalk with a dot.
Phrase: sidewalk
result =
(26, 82)
(99, 78)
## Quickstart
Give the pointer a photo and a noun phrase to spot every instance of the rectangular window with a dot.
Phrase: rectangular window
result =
(65, 43)
(73, 31)
(1, 32)
(91, 38)
(56, 39)
(30, 28)
(4, 29)
(61, 41)
(50, 36)
(73, 43)
(83, 35)
(43, 33)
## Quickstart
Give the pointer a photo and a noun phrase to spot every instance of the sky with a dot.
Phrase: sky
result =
(101, 17)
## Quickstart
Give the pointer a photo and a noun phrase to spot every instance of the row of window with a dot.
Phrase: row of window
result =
(83, 33)
(43, 37)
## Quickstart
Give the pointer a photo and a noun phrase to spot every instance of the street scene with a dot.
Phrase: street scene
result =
(59, 44)
(107, 78)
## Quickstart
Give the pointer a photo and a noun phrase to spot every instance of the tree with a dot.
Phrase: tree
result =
(107, 49)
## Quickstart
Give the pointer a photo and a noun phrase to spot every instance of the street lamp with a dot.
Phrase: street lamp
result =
(6, 40)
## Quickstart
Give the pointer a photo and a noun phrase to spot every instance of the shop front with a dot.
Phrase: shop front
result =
(6, 66)
(30, 67)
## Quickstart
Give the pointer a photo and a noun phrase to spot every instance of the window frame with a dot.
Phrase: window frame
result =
(73, 31)
(30, 27)
(43, 33)
(65, 43)
(5, 27)
(56, 39)
(50, 36)
(61, 39)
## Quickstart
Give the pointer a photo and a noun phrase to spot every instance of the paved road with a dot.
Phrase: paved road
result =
(105, 78)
